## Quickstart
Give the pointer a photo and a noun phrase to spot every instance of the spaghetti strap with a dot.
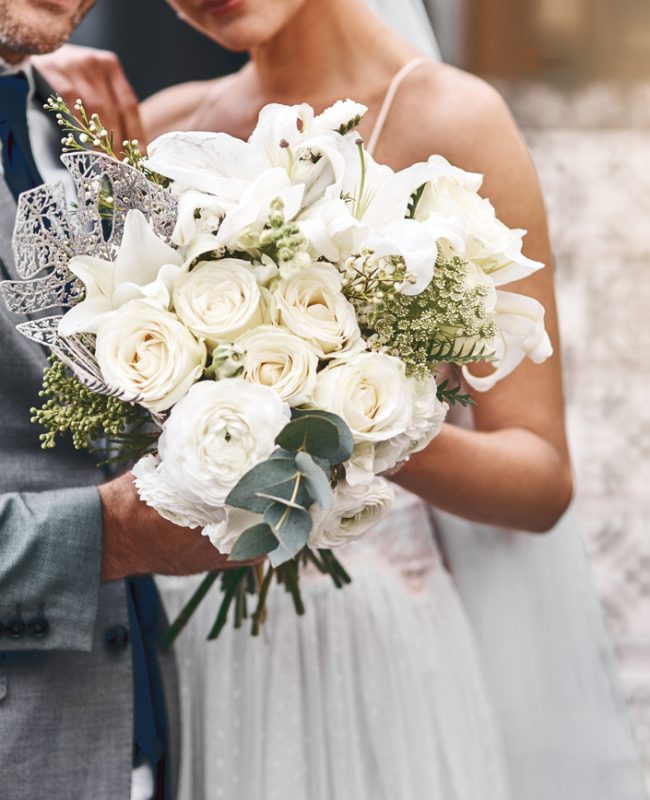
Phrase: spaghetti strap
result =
(389, 98)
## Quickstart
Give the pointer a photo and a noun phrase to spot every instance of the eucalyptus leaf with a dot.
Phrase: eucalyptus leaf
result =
(254, 542)
(291, 527)
(316, 480)
(318, 436)
(274, 478)
(346, 440)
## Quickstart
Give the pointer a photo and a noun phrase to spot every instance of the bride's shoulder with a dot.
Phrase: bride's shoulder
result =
(174, 108)
(458, 115)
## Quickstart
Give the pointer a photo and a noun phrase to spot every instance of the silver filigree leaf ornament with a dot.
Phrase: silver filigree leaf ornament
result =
(49, 232)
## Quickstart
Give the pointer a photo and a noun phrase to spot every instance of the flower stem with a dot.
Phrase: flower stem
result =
(335, 568)
(292, 581)
(193, 603)
(234, 579)
(259, 615)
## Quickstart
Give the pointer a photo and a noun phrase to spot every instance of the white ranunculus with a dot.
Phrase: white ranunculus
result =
(145, 267)
(218, 432)
(219, 300)
(170, 502)
(148, 353)
(371, 392)
(355, 511)
(311, 305)
(520, 334)
(279, 359)
(223, 535)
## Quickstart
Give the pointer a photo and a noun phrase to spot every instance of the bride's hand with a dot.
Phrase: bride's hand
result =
(97, 78)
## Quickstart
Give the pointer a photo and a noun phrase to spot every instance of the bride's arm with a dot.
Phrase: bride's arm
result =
(514, 469)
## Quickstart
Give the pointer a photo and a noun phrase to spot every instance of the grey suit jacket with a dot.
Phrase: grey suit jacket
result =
(66, 699)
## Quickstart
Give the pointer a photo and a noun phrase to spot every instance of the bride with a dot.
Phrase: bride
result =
(379, 691)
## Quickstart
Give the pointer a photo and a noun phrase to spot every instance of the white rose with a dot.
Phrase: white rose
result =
(219, 300)
(170, 502)
(148, 353)
(218, 432)
(355, 511)
(370, 392)
(312, 306)
(277, 358)
(426, 421)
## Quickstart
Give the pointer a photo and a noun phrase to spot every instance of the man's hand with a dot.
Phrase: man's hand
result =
(97, 78)
(138, 541)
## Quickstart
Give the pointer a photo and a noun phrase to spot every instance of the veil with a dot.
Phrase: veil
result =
(538, 621)
(409, 18)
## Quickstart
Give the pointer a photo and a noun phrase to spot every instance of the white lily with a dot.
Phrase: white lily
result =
(521, 334)
(145, 268)
(473, 229)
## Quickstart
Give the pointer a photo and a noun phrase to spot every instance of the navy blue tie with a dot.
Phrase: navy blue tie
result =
(20, 170)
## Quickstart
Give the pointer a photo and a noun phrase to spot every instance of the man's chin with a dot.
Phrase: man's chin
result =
(34, 27)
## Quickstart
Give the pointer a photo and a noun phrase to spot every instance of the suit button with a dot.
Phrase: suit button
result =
(38, 627)
(15, 628)
(116, 639)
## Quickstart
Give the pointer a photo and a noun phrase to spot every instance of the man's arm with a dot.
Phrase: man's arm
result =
(50, 558)
(56, 547)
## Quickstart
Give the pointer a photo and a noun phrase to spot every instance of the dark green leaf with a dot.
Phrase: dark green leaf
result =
(254, 543)
(316, 480)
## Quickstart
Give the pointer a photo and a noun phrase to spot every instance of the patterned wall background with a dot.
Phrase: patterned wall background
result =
(592, 150)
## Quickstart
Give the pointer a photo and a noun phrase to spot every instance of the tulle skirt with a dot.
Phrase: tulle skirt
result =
(376, 693)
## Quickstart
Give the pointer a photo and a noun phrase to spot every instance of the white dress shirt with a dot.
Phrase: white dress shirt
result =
(44, 136)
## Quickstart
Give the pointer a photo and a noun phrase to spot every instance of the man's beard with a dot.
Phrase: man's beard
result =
(22, 37)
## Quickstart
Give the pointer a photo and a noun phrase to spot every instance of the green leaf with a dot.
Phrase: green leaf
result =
(316, 480)
(453, 396)
(320, 434)
(291, 526)
(273, 479)
(254, 542)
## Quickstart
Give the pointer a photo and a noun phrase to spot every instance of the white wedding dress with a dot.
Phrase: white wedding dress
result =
(376, 693)
(385, 690)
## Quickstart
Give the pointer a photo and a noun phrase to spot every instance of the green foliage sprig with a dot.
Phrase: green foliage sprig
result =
(453, 395)
(83, 132)
(447, 322)
(104, 425)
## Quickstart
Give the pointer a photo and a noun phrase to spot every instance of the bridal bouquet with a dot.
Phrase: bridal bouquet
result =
(258, 326)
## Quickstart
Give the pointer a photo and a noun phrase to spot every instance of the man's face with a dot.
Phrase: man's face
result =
(32, 27)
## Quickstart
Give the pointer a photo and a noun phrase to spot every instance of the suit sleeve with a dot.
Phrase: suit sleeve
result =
(50, 565)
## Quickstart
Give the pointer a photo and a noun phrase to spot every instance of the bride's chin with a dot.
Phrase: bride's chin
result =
(237, 37)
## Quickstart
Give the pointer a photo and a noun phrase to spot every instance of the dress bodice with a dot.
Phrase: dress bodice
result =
(403, 542)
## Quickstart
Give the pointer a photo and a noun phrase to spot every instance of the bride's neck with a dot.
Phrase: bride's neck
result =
(326, 43)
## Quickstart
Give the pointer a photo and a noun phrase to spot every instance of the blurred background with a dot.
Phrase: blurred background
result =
(577, 76)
